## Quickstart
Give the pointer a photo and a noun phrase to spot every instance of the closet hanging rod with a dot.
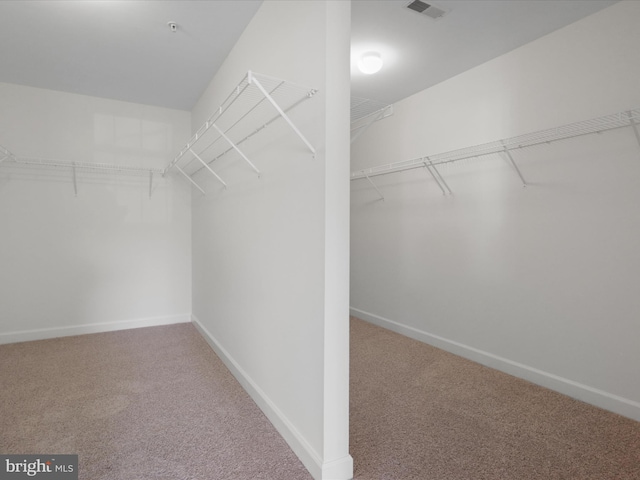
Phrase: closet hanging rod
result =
(629, 118)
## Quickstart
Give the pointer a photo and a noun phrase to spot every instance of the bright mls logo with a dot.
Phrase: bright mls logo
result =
(45, 467)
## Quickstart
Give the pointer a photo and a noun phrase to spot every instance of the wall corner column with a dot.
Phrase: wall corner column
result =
(337, 463)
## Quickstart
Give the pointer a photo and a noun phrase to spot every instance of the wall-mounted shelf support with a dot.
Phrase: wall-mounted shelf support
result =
(188, 177)
(433, 175)
(505, 147)
(374, 186)
(206, 165)
(75, 180)
(233, 145)
(254, 81)
(431, 168)
(5, 154)
(247, 110)
(507, 153)
(440, 177)
(634, 125)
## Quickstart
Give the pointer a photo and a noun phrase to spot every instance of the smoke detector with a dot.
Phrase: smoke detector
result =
(429, 9)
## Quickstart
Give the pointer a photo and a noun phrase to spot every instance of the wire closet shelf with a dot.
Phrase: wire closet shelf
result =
(6, 155)
(365, 112)
(75, 168)
(36, 162)
(254, 104)
(629, 118)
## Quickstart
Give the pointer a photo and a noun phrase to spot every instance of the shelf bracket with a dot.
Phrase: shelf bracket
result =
(206, 165)
(223, 135)
(434, 177)
(439, 175)
(634, 126)
(190, 179)
(75, 182)
(374, 186)
(510, 157)
(254, 80)
(5, 154)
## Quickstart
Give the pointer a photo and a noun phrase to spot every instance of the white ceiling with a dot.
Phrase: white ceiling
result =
(124, 49)
(120, 49)
(420, 52)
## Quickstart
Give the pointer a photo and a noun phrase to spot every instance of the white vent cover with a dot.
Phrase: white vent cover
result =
(428, 9)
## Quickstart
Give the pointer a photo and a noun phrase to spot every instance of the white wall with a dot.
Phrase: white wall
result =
(109, 258)
(541, 282)
(270, 254)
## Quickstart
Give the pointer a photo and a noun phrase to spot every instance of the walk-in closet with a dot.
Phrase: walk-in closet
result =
(320, 239)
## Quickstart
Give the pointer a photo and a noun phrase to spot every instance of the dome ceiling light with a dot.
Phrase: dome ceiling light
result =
(370, 63)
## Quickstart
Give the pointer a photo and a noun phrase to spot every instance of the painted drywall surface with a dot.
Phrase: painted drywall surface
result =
(544, 276)
(111, 254)
(260, 252)
(337, 225)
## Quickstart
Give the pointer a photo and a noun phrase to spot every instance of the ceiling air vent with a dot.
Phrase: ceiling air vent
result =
(428, 9)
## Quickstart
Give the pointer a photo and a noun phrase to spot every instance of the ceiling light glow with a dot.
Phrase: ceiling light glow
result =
(370, 63)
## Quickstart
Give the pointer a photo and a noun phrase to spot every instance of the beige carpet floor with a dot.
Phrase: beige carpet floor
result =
(151, 403)
(421, 413)
(156, 403)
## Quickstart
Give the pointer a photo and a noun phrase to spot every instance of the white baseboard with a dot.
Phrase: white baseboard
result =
(66, 331)
(600, 398)
(338, 469)
(305, 452)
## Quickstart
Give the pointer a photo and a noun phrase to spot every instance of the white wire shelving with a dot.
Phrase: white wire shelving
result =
(6, 155)
(255, 103)
(364, 113)
(75, 168)
(628, 119)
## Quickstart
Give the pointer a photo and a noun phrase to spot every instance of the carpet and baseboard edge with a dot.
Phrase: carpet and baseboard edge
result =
(305, 452)
(71, 330)
(600, 398)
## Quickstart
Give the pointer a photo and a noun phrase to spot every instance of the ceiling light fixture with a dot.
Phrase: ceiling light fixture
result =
(370, 63)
